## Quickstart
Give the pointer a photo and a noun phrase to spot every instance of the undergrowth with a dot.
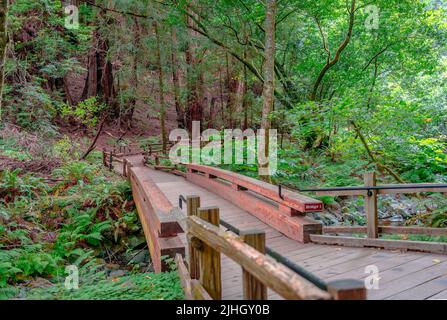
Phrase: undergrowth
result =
(81, 215)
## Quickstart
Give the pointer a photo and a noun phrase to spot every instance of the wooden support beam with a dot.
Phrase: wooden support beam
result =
(158, 247)
(210, 266)
(271, 273)
(192, 205)
(388, 230)
(347, 290)
(371, 206)
(422, 246)
(192, 288)
(253, 289)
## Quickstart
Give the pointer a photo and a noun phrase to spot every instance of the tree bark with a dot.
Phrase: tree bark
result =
(194, 107)
(268, 93)
(4, 6)
(164, 137)
(99, 80)
(176, 80)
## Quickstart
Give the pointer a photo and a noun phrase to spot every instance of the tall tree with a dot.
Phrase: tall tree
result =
(268, 93)
(164, 137)
(175, 67)
(3, 46)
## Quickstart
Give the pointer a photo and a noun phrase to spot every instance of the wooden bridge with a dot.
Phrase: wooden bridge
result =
(234, 237)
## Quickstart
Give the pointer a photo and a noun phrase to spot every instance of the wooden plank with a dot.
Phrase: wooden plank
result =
(411, 188)
(422, 291)
(293, 200)
(158, 247)
(161, 219)
(297, 228)
(198, 292)
(404, 270)
(371, 206)
(347, 290)
(192, 204)
(273, 274)
(421, 187)
(414, 279)
(423, 246)
(440, 296)
(184, 276)
(210, 268)
(342, 193)
(383, 265)
(388, 230)
(253, 289)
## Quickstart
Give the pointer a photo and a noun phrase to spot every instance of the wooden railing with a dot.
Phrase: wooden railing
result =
(160, 220)
(207, 241)
(370, 191)
(285, 213)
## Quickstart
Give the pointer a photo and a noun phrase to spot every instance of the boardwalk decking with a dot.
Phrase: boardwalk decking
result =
(403, 275)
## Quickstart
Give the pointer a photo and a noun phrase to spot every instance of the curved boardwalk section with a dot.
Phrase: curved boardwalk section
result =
(402, 275)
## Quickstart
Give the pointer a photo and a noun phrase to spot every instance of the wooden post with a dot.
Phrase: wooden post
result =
(371, 206)
(125, 167)
(192, 204)
(347, 290)
(210, 267)
(111, 161)
(104, 157)
(253, 289)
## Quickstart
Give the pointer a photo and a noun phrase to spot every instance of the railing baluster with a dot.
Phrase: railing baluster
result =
(193, 203)
(253, 289)
(371, 206)
(210, 264)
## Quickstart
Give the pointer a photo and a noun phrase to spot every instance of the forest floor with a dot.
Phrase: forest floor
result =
(57, 211)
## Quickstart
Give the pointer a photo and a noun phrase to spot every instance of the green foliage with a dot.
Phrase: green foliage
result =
(66, 149)
(43, 228)
(13, 185)
(77, 171)
(86, 112)
(144, 286)
(30, 261)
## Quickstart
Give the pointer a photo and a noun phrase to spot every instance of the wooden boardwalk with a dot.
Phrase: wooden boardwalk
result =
(403, 275)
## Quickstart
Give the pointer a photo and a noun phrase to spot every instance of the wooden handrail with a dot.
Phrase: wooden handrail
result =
(271, 273)
(388, 230)
(260, 199)
(295, 201)
(373, 229)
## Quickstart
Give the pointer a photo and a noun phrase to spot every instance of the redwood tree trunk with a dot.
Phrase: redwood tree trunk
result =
(269, 72)
(4, 6)
(164, 137)
(99, 80)
(176, 80)
(194, 107)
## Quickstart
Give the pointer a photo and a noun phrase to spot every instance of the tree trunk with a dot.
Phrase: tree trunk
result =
(161, 88)
(133, 100)
(99, 80)
(3, 47)
(268, 93)
(176, 80)
(194, 108)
